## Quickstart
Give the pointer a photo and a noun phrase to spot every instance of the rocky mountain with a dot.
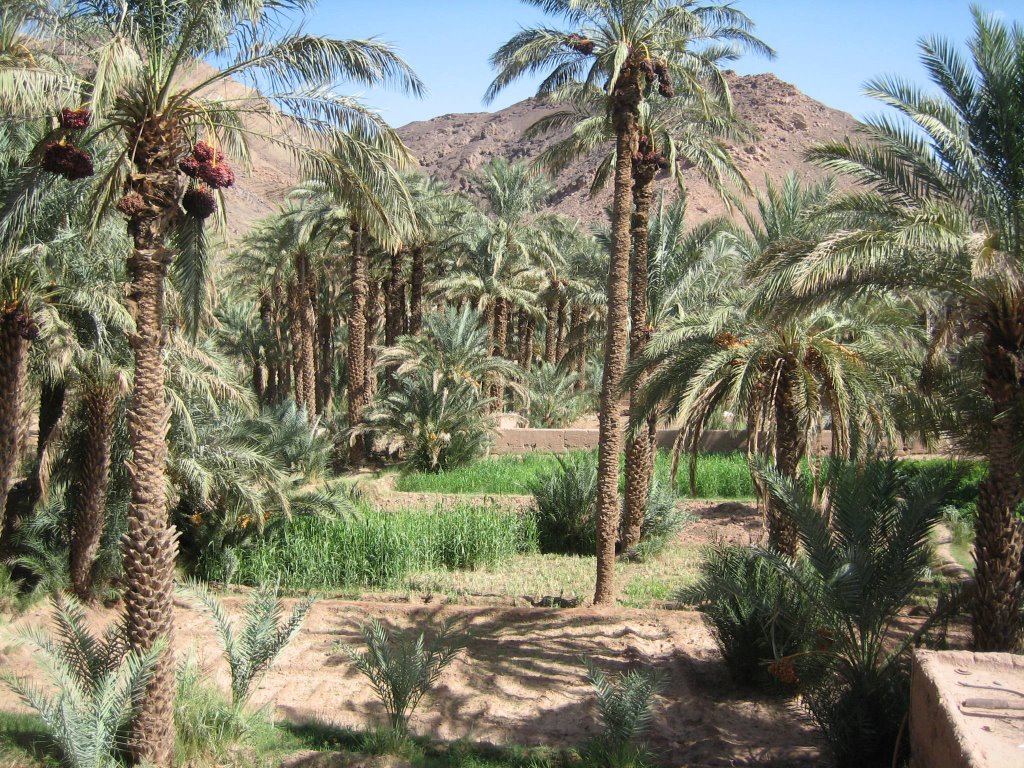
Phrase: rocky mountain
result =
(454, 147)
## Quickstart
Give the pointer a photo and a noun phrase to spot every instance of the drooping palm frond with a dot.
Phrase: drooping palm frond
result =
(265, 633)
(98, 682)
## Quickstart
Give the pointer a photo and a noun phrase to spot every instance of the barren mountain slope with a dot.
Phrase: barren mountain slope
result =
(453, 147)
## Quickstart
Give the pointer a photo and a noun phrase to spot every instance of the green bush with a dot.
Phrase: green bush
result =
(375, 549)
(565, 502)
(625, 704)
(754, 612)
(662, 520)
(403, 666)
(866, 555)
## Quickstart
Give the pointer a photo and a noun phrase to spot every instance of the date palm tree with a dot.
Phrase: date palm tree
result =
(687, 130)
(615, 45)
(153, 99)
(784, 372)
(941, 217)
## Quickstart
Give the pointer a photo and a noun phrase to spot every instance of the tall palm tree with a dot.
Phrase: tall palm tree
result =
(616, 45)
(784, 372)
(368, 204)
(689, 129)
(153, 99)
(941, 216)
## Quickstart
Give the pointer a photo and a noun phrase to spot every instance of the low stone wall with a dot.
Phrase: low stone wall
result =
(963, 710)
(527, 440)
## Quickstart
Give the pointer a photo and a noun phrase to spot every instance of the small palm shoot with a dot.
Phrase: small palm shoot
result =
(97, 686)
(265, 633)
(403, 666)
(625, 704)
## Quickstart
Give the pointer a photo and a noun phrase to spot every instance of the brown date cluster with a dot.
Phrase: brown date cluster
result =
(207, 166)
(62, 157)
(580, 44)
(646, 153)
(658, 70)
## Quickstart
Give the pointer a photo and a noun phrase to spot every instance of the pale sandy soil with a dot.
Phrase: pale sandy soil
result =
(520, 680)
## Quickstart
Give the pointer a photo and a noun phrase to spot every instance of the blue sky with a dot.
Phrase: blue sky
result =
(827, 48)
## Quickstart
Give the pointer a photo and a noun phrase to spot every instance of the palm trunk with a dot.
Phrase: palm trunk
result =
(150, 545)
(305, 340)
(90, 503)
(627, 99)
(416, 291)
(325, 352)
(500, 349)
(17, 329)
(551, 330)
(639, 459)
(790, 447)
(526, 343)
(562, 332)
(372, 324)
(395, 316)
(357, 340)
(999, 534)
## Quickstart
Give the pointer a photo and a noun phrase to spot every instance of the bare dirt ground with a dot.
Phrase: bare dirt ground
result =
(520, 681)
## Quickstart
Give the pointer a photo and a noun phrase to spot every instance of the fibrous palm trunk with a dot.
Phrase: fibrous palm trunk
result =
(562, 333)
(551, 328)
(639, 455)
(16, 331)
(150, 545)
(303, 333)
(500, 350)
(90, 503)
(325, 350)
(790, 447)
(357, 338)
(624, 114)
(416, 290)
(999, 534)
(395, 316)
(373, 317)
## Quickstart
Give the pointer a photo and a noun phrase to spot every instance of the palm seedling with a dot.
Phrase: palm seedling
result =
(866, 552)
(403, 666)
(625, 705)
(265, 632)
(98, 684)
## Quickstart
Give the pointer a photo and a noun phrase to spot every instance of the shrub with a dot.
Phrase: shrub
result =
(866, 554)
(430, 422)
(754, 612)
(625, 705)
(265, 633)
(205, 722)
(662, 520)
(374, 549)
(403, 666)
(565, 503)
(554, 400)
(97, 686)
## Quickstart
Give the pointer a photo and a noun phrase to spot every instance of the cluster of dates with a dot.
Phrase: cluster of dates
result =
(208, 167)
(646, 153)
(580, 44)
(658, 70)
(61, 156)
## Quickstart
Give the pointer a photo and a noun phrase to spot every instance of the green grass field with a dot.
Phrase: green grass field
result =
(719, 476)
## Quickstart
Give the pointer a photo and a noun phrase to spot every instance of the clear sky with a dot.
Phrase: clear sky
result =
(827, 48)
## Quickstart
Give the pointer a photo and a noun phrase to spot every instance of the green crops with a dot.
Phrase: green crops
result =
(378, 549)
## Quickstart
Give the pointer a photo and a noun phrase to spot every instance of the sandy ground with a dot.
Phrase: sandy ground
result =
(520, 680)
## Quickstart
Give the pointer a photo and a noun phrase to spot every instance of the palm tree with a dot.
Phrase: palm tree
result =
(370, 204)
(785, 373)
(940, 218)
(153, 99)
(687, 130)
(616, 44)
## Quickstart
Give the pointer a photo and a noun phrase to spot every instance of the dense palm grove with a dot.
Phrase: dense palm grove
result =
(167, 399)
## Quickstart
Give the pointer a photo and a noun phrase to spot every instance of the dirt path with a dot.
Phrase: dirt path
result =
(521, 680)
